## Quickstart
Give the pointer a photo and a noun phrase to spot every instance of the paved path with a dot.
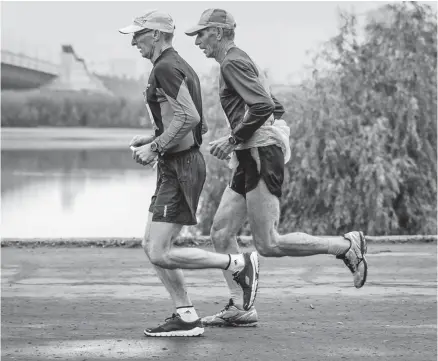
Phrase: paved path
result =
(93, 303)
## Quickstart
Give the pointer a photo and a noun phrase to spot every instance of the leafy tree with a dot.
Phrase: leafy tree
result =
(364, 139)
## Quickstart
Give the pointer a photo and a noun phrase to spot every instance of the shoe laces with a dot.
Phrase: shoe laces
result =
(353, 267)
(226, 308)
(174, 315)
(350, 265)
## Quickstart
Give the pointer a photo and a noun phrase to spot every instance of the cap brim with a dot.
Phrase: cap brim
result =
(196, 29)
(130, 29)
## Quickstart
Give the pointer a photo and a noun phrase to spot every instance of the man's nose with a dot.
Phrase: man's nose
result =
(197, 41)
(133, 42)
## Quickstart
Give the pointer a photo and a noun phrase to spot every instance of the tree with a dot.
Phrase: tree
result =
(364, 139)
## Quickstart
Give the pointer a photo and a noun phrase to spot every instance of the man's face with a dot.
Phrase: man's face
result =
(206, 40)
(144, 41)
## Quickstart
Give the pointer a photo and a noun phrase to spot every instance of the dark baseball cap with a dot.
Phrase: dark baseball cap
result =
(213, 17)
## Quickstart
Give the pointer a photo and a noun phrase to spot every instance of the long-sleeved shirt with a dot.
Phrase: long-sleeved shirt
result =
(173, 98)
(241, 88)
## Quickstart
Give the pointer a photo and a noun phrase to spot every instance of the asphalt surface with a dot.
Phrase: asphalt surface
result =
(93, 304)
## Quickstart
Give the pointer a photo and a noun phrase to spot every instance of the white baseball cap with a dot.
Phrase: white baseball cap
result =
(154, 20)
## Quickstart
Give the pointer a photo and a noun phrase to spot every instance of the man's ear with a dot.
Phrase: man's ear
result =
(156, 35)
(220, 33)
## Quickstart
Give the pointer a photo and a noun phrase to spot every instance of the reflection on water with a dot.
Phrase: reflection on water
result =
(74, 193)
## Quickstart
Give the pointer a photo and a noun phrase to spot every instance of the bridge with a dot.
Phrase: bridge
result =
(19, 71)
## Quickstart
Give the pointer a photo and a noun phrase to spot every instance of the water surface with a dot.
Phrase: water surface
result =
(73, 182)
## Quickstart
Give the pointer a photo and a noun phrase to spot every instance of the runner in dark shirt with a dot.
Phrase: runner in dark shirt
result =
(173, 100)
(241, 89)
(259, 147)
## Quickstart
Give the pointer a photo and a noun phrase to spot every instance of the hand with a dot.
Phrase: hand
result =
(222, 148)
(140, 140)
(144, 155)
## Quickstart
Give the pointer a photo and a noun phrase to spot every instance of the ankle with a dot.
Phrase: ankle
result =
(236, 263)
(338, 246)
(187, 313)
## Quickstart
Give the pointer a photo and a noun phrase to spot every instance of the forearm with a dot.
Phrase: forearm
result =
(177, 130)
(147, 139)
(253, 120)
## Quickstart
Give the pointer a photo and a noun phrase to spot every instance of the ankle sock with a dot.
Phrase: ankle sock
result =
(187, 313)
(236, 263)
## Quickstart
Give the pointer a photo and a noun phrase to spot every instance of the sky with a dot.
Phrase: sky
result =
(277, 35)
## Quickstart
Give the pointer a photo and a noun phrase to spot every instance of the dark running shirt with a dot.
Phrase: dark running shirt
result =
(174, 98)
(242, 86)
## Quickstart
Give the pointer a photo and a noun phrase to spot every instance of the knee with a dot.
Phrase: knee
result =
(146, 245)
(157, 255)
(220, 237)
(265, 250)
(159, 258)
(267, 246)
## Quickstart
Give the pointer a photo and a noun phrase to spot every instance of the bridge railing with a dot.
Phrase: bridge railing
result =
(24, 61)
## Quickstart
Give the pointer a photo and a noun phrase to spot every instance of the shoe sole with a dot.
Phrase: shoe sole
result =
(197, 331)
(252, 324)
(363, 251)
(254, 257)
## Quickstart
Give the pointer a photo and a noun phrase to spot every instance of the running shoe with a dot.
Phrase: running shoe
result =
(175, 326)
(248, 279)
(231, 316)
(355, 259)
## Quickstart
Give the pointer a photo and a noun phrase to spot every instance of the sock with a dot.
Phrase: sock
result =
(187, 313)
(338, 246)
(236, 264)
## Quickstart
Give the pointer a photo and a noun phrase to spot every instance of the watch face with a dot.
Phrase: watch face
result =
(232, 140)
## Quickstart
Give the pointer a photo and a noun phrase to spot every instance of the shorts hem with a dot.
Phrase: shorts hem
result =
(173, 221)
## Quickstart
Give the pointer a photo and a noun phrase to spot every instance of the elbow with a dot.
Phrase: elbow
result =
(270, 106)
(278, 114)
(194, 120)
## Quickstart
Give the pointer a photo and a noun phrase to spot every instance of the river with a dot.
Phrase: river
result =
(72, 182)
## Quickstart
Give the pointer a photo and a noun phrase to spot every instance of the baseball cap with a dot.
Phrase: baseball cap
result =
(154, 20)
(213, 17)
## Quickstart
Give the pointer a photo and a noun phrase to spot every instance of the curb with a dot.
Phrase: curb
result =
(243, 241)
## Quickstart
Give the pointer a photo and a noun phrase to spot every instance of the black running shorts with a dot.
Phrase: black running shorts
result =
(180, 179)
(247, 175)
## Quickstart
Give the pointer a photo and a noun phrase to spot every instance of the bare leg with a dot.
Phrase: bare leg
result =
(162, 253)
(227, 221)
(264, 213)
(173, 280)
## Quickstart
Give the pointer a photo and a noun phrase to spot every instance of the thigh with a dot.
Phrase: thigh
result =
(161, 236)
(263, 214)
(231, 213)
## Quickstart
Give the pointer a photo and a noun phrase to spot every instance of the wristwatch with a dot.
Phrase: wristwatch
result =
(232, 140)
(154, 147)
